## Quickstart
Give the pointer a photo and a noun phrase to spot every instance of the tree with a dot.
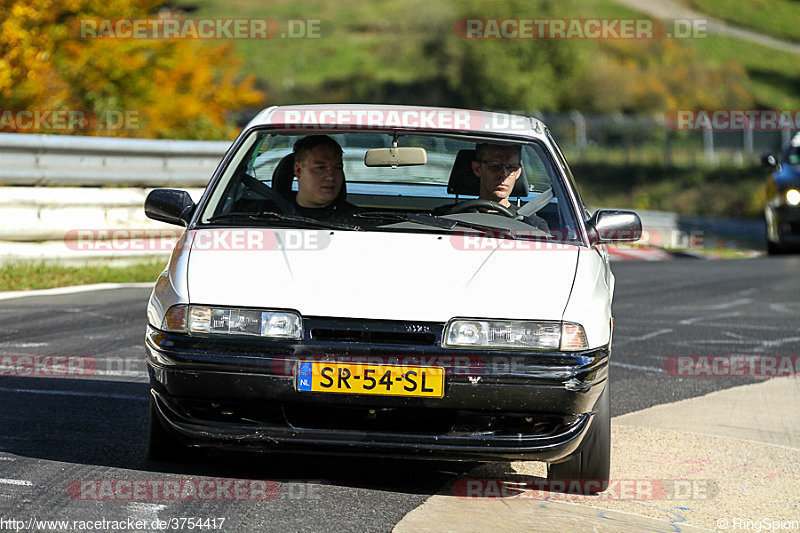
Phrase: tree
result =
(657, 76)
(184, 88)
(512, 73)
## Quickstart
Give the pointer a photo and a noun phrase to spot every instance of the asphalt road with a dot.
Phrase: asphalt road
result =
(54, 431)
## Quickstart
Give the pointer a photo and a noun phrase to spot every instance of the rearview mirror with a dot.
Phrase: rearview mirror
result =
(612, 225)
(403, 156)
(769, 160)
(170, 206)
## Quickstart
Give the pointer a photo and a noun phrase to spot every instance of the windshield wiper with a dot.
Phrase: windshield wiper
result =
(437, 222)
(296, 221)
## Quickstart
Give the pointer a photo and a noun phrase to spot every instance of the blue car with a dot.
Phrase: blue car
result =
(782, 210)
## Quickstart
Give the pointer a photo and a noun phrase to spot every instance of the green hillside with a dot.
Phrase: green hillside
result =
(778, 18)
(407, 52)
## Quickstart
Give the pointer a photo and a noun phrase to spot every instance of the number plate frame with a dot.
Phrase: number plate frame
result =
(427, 381)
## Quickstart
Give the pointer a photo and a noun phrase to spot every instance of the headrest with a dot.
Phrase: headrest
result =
(283, 176)
(463, 180)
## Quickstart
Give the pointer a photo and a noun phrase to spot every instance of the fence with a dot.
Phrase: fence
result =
(614, 139)
(622, 139)
(101, 182)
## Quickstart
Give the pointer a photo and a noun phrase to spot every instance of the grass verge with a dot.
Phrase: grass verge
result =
(718, 253)
(772, 17)
(28, 275)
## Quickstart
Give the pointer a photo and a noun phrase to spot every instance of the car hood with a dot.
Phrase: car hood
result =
(382, 275)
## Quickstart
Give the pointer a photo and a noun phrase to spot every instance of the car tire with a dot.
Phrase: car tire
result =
(162, 445)
(774, 248)
(590, 466)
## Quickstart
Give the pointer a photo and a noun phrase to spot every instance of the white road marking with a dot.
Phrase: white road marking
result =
(89, 313)
(637, 367)
(646, 335)
(146, 512)
(78, 393)
(744, 326)
(714, 307)
(23, 344)
(733, 335)
(72, 290)
(20, 482)
(781, 308)
(695, 319)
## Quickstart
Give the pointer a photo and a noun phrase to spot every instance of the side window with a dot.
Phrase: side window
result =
(271, 149)
(570, 179)
(535, 171)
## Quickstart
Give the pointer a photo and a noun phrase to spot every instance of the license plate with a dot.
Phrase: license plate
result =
(385, 380)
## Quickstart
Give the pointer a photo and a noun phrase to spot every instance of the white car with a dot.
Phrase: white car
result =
(419, 321)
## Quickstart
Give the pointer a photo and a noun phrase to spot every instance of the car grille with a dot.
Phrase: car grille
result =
(372, 337)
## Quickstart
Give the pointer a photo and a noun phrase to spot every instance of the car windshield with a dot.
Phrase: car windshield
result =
(439, 195)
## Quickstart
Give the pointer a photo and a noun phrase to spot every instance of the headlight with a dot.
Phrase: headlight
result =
(793, 197)
(233, 321)
(514, 334)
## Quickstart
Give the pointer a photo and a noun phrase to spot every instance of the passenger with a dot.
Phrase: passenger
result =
(498, 167)
(320, 177)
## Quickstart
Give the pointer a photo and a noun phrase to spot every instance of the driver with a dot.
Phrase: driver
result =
(320, 176)
(498, 167)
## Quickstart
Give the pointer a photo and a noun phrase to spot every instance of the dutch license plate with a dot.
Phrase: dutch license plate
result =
(386, 380)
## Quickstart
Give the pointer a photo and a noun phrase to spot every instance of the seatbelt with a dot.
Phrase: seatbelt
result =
(537, 203)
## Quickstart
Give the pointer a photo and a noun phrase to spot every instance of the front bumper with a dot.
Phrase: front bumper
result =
(242, 393)
(783, 224)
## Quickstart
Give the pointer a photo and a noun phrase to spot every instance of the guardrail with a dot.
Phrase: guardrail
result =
(64, 160)
(121, 171)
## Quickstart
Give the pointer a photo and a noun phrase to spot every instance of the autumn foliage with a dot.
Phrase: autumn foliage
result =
(184, 88)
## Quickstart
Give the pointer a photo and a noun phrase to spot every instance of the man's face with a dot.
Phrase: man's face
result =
(498, 169)
(319, 177)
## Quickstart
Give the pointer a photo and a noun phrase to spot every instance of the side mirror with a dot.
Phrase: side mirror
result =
(170, 206)
(612, 225)
(769, 160)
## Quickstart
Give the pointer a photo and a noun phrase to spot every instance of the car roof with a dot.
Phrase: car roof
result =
(373, 117)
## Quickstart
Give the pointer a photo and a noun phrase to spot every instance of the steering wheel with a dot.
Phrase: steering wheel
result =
(478, 206)
(267, 192)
